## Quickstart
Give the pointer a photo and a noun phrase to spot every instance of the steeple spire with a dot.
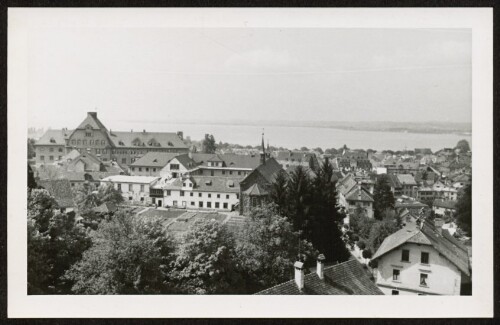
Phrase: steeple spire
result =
(263, 153)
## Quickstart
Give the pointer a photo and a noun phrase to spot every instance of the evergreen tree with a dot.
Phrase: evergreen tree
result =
(279, 192)
(208, 144)
(299, 199)
(464, 210)
(382, 196)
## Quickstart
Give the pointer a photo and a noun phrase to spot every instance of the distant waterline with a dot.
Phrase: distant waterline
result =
(293, 137)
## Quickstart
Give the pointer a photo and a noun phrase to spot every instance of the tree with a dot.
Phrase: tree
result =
(88, 197)
(367, 253)
(108, 194)
(55, 242)
(299, 196)
(267, 247)
(318, 149)
(380, 231)
(31, 148)
(463, 145)
(128, 256)
(206, 261)
(383, 197)
(279, 192)
(208, 144)
(324, 216)
(464, 210)
(304, 149)
(31, 178)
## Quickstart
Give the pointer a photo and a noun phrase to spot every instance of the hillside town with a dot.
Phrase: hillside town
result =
(139, 212)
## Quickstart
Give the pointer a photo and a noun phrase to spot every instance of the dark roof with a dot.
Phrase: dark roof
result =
(216, 184)
(54, 137)
(256, 190)
(93, 121)
(269, 169)
(155, 159)
(347, 278)
(147, 140)
(358, 193)
(232, 160)
(346, 184)
(444, 204)
(441, 240)
(60, 189)
(393, 181)
(47, 172)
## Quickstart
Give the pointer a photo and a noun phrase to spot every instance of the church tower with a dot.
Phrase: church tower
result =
(263, 152)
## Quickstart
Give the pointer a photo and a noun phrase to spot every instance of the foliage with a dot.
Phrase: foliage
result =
(367, 253)
(464, 210)
(380, 231)
(279, 192)
(299, 191)
(361, 244)
(383, 197)
(206, 261)
(128, 256)
(208, 144)
(361, 224)
(55, 242)
(463, 145)
(267, 247)
(87, 196)
(318, 149)
(31, 148)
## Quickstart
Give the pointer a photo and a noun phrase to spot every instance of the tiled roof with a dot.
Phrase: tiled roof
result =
(406, 179)
(155, 159)
(347, 278)
(216, 184)
(269, 169)
(56, 172)
(87, 158)
(358, 193)
(130, 179)
(240, 161)
(54, 137)
(428, 235)
(147, 140)
(393, 181)
(60, 189)
(444, 204)
(93, 121)
(255, 190)
(186, 161)
(71, 155)
(346, 184)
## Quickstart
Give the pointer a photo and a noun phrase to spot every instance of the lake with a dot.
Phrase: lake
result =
(295, 137)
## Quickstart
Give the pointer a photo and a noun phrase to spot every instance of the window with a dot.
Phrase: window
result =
(174, 203)
(223, 172)
(199, 194)
(191, 194)
(200, 204)
(230, 172)
(395, 275)
(42, 158)
(91, 142)
(216, 205)
(209, 195)
(224, 205)
(218, 196)
(227, 196)
(73, 141)
(395, 292)
(88, 134)
(174, 166)
(140, 169)
(211, 173)
(147, 169)
(119, 187)
(51, 149)
(424, 258)
(60, 157)
(168, 192)
(239, 172)
(237, 196)
(142, 188)
(130, 187)
(190, 184)
(183, 184)
(79, 141)
(142, 199)
(405, 256)
(209, 204)
(51, 157)
(124, 160)
(60, 149)
(423, 279)
(154, 169)
(130, 198)
(182, 193)
(103, 142)
(192, 203)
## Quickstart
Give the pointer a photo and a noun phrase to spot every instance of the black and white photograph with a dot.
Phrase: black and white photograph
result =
(241, 154)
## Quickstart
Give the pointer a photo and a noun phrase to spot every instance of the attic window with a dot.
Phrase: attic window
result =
(208, 183)
(155, 160)
(121, 143)
(170, 144)
(230, 183)
(52, 140)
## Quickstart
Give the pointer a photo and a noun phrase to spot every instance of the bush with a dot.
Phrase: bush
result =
(367, 253)
(361, 245)
(355, 237)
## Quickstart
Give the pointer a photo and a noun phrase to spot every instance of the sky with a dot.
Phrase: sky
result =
(222, 74)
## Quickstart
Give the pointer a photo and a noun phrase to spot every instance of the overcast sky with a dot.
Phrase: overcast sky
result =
(256, 74)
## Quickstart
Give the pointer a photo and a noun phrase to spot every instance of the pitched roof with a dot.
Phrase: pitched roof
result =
(93, 121)
(216, 184)
(130, 179)
(347, 278)
(269, 169)
(358, 193)
(54, 137)
(57, 172)
(447, 204)
(71, 155)
(60, 189)
(147, 140)
(105, 208)
(406, 179)
(346, 184)
(428, 235)
(186, 161)
(256, 190)
(393, 181)
(240, 161)
(155, 159)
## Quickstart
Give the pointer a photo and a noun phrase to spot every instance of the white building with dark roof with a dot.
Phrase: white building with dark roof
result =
(426, 260)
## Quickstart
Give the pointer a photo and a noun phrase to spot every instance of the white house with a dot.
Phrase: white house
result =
(134, 189)
(424, 261)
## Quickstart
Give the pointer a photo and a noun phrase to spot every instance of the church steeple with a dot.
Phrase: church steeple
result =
(263, 152)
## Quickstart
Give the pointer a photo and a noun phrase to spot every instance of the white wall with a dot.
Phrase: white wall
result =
(134, 192)
(443, 277)
(167, 171)
(168, 200)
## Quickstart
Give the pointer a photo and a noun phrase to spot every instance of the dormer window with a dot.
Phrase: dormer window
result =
(170, 144)
(52, 140)
(121, 143)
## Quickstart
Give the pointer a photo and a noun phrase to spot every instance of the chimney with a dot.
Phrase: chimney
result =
(93, 114)
(320, 266)
(299, 274)
(180, 134)
(144, 131)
